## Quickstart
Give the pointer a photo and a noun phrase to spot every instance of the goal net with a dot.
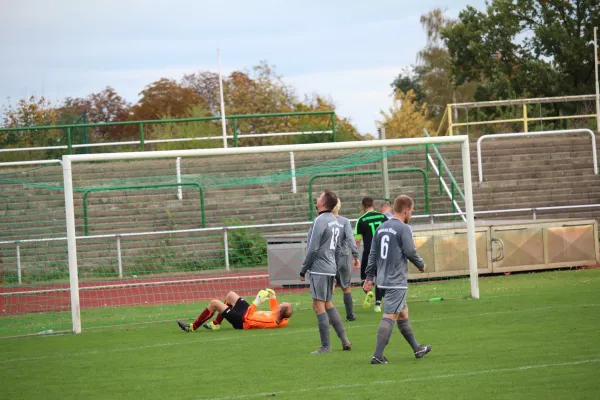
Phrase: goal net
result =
(125, 238)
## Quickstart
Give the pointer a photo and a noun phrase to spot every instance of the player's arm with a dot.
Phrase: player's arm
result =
(371, 270)
(410, 250)
(260, 298)
(357, 233)
(312, 247)
(350, 241)
(273, 304)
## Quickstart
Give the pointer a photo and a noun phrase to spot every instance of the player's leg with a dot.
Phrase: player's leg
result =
(230, 300)
(344, 280)
(334, 317)
(215, 324)
(406, 330)
(379, 293)
(319, 295)
(213, 305)
(368, 303)
(393, 306)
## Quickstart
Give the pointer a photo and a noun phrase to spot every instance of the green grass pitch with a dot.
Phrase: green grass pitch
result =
(530, 336)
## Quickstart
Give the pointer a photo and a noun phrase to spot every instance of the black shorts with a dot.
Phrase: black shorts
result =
(235, 315)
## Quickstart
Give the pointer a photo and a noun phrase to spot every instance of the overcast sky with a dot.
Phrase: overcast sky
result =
(348, 50)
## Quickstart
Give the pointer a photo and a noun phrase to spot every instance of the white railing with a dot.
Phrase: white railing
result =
(446, 189)
(542, 133)
(225, 229)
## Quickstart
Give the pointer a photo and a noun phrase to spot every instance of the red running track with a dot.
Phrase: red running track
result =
(131, 292)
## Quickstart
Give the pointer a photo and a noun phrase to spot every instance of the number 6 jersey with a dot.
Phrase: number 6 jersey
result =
(392, 247)
(365, 228)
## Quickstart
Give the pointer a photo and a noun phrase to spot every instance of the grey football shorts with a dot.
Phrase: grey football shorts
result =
(394, 301)
(321, 287)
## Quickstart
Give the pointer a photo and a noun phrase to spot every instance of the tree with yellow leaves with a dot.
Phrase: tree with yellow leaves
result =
(406, 118)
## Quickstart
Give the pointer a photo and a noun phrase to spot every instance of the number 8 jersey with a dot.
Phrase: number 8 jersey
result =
(392, 247)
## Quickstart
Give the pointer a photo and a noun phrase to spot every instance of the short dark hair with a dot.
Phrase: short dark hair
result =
(367, 202)
(402, 202)
(330, 199)
(385, 204)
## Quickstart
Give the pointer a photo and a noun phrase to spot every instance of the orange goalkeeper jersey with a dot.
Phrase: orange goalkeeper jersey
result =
(263, 319)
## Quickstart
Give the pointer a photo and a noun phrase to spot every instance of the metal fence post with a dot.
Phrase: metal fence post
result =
(440, 175)
(384, 167)
(178, 168)
(18, 262)
(226, 243)
(333, 132)
(235, 132)
(293, 171)
(141, 130)
(525, 127)
(69, 141)
(450, 126)
(119, 260)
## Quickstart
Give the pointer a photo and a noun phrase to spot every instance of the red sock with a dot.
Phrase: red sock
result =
(219, 319)
(205, 316)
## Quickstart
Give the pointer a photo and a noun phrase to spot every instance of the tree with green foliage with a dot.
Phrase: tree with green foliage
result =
(431, 79)
(525, 48)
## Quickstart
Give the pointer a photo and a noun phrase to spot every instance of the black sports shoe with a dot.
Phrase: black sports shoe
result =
(351, 318)
(375, 360)
(424, 350)
(347, 347)
(185, 327)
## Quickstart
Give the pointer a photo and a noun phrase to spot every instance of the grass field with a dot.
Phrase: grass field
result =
(530, 336)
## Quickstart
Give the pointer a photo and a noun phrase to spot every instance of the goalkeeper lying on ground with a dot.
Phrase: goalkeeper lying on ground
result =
(242, 315)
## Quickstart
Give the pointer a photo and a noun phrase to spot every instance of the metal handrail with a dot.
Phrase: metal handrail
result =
(534, 210)
(86, 192)
(140, 124)
(438, 170)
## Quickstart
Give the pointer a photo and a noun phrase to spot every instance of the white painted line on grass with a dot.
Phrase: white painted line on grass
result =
(408, 380)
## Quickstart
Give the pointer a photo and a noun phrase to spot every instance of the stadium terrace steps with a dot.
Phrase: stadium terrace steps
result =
(521, 173)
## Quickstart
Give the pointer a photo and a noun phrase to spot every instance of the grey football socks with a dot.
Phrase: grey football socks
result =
(336, 322)
(386, 326)
(348, 304)
(407, 332)
(324, 329)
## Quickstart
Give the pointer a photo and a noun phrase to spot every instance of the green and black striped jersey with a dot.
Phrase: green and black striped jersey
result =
(366, 226)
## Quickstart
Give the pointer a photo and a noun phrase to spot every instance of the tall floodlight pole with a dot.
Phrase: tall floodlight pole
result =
(596, 73)
(223, 124)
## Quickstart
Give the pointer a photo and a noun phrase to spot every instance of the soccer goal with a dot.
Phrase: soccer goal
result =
(151, 236)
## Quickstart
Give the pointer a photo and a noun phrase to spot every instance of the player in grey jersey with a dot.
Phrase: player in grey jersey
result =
(393, 246)
(321, 266)
(346, 256)
(386, 209)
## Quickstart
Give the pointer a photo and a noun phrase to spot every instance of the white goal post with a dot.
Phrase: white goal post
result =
(68, 160)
